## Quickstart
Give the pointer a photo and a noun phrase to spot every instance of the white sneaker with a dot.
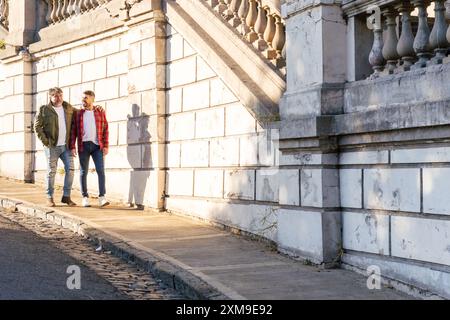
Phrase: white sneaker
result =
(85, 202)
(102, 202)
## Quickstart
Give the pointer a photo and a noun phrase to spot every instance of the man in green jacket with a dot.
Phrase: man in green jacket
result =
(53, 128)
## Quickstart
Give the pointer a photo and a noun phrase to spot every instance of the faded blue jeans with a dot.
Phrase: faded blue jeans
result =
(91, 149)
(53, 154)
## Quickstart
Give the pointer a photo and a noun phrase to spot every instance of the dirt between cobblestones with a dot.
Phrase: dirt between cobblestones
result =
(129, 279)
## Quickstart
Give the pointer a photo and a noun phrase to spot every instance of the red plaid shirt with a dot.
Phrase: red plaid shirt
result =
(101, 125)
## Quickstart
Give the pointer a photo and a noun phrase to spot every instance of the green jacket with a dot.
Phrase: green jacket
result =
(47, 127)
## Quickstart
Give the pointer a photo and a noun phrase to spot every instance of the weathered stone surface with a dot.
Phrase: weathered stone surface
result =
(180, 182)
(224, 152)
(117, 64)
(289, 191)
(421, 155)
(209, 123)
(94, 70)
(196, 96)
(351, 188)
(267, 185)
(436, 183)
(364, 157)
(411, 239)
(365, 232)
(238, 120)
(181, 72)
(208, 183)
(392, 189)
(239, 184)
(181, 126)
(195, 153)
(248, 150)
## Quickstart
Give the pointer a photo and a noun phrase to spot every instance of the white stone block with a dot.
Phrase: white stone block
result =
(436, 184)
(134, 55)
(392, 189)
(311, 187)
(107, 89)
(239, 120)
(41, 161)
(364, 157)
(107, 47)
(220, 94)
(174, 99)
(366, 232)
(148, 51)
(210, 123)
(41, 65)
(123, 133)
(70, 75)
(59, 60)
(174, 47)
(140, 79)
(300, 231)
(124, 157)
(76, 92)
(239, 184)
(421, 239)
(15, 171)
(224, 152)
(148, 105)
(351, 188)
(204, 71)
(420, 155)
(19, 85)
(117, 64)
(173, 155)
(194, 153)
(268, 147)
(8, 87)
(141, 32)
(113, 129)
(181, 72)
(188, 50)
(12, 142)
(123, 86)
(289, 191)
(81, 54)
(248, 154)
(267, 185)
(180, 182)
(47, 80)
(196, 96)
(7, 123)
(19, 122)
(208, 183)
(94, 70)
(181, 126)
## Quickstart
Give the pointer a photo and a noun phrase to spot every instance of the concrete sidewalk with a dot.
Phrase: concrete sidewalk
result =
(199, 260)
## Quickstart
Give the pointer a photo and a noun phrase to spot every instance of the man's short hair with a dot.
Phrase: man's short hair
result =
(89, 93)
(54, 90)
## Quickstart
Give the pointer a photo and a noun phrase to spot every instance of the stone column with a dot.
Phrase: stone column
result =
(146, 83)
(316, 71)
(17, 107)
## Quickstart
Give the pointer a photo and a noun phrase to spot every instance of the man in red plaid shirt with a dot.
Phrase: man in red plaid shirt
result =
(90, 128)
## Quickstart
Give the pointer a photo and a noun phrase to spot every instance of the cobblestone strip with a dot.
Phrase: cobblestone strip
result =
(128, 278)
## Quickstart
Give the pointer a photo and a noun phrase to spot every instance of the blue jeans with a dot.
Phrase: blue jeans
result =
(91, 149)
(53, 154)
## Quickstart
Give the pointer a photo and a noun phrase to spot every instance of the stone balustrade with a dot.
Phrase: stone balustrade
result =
(60, 10)
(404, 36)
(4, 13)
(259, 22)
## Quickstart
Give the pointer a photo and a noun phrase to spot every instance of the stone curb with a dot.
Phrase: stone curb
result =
(171, 275)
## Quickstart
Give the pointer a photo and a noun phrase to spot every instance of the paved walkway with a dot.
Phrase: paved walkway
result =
(236, 267)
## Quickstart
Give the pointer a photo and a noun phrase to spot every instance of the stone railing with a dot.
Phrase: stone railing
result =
(404, 36)
(4, 13)
(60, 10)
(259, 22)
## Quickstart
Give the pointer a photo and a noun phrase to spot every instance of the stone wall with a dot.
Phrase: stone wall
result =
(221, 162)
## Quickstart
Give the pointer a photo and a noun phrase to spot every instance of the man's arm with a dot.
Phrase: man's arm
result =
(39, 127)
(73, 134)
(105, 134)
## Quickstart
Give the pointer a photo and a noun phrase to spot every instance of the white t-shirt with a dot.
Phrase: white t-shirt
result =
(89, 128)
(61, 126)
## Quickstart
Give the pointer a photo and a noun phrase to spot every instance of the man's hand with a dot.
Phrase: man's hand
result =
(100, 108)
(105, 151)
(74, 152)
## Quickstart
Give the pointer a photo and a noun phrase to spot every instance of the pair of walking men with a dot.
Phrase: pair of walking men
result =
(61, 127)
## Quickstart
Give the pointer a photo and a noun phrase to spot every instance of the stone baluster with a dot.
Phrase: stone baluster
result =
(65, 9)
(447, 16)
(438, 36)
(88, 4)
(243, 11)
(269, 33)
(234, 12)
(59, 14)
(48, 16)
(212, 3)
(376, 58)
(390, 46)
(421, 42)
(4, 12)
(54, 8)
(221, 7)
(405, 45)
(261, 26)
(278, 41)
(250, 21)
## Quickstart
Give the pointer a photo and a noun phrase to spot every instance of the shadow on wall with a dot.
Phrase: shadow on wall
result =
(138, 137)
